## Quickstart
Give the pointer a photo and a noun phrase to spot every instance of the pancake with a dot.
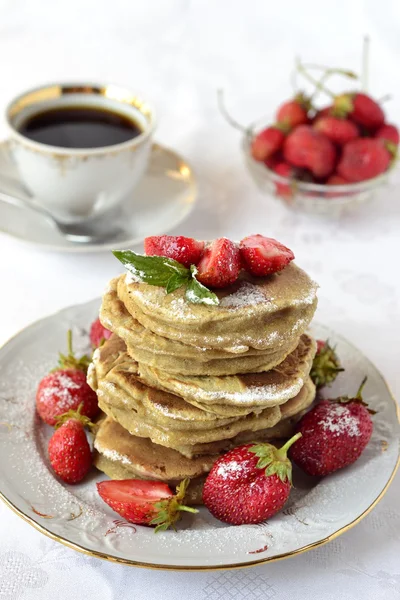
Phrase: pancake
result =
(246, 390)
(175, 438)
(173, 356)
(113, 375)
(291, 412)
(123, 456)
(261, 313)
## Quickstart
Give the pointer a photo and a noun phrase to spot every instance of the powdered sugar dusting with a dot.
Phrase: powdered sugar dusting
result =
(62, 389)
(226, 470)
(339, 420)
(112, 454)
(247, 295)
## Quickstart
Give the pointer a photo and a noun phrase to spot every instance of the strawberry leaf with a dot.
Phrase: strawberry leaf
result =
(167, 273)
(154, 270)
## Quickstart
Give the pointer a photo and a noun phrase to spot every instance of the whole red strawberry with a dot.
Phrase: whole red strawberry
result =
(249, 484)
(334, 435)
(363, 159)
(324, 112)
(285, 190)
(267, 142)
(361, 109)
(336, 179)
(339, 131)
(326, 366)
(220, 264)
(185, 250)
(310, 149)
(146, 502)
(98, 333)
(262, 256)
(66, 388)
(69, 451)
(294, 112)
(390, 134)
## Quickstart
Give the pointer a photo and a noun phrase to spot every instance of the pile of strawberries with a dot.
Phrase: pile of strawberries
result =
(65, 401)
(343, 143)
(220, 262)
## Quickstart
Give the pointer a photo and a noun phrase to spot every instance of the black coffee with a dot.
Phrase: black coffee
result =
(80, 127)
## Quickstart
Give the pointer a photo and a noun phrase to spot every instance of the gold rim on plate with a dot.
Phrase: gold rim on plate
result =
(243, 565)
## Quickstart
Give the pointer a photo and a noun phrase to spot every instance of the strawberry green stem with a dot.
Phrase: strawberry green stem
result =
(187, 509)
(282, 452)
(360, 389)
(69, 342)
(319, 86)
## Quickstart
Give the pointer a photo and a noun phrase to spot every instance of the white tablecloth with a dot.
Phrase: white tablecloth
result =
(178, 52)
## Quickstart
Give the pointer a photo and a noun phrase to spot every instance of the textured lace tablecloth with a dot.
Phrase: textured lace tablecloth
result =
(179, 52)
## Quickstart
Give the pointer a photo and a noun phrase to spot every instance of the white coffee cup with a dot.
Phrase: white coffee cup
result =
(77, 184)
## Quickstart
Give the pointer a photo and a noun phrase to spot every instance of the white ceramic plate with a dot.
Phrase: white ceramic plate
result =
(163, 199)
(317, 511)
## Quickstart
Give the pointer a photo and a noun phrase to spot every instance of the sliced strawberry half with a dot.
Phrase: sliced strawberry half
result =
(98, 333)
(145, 502)
(262, 256)
(185, 250)
(220, 265)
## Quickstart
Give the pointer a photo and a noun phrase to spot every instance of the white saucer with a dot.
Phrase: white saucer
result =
(163, 199)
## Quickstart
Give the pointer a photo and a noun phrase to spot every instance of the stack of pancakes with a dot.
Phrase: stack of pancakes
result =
(180, 383)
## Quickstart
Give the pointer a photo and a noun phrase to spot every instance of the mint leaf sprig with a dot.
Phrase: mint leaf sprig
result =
(167, 273)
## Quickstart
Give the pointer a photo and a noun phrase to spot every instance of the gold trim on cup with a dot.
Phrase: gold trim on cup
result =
(47, 93)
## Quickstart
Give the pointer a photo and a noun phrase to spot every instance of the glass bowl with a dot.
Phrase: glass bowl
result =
(309, 197)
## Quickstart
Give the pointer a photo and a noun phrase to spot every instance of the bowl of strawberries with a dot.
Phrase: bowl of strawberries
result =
(322, 159)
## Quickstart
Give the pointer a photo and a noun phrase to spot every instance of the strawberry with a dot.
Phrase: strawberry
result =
(326, 365)
(267, 142)
(310, 149)
(145, 502)
(390, 133)
(186, 251)
(323, 112)
(98, 333)
(249, 484)
(336, 179)
(334, 435)
(69, 451)
(262, 256)
(220, 265)
(63, 390)
(294, 112)
(339, 131)
(363, 159)
(66, 388)
(361, 109)
(284, 170)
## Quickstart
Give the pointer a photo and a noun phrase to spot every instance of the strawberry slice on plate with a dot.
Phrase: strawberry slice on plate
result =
(185, 250)
(262, 256)
(220, 265)
(145, 502)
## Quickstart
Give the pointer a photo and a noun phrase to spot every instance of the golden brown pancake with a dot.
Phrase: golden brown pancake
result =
(175, 357)
(246, 390)
(262, 313)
